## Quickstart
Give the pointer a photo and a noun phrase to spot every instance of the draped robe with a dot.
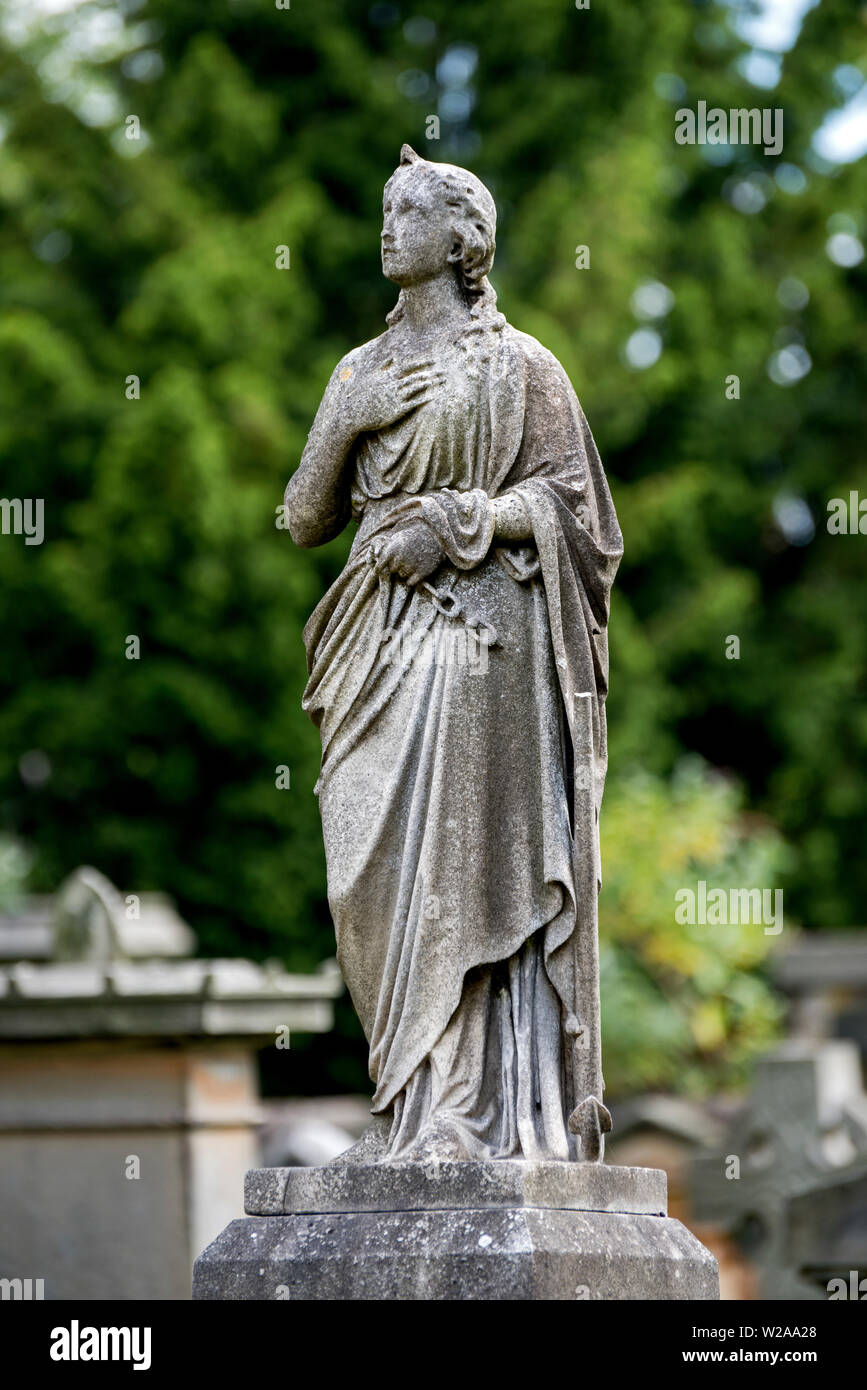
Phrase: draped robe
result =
(445, 784)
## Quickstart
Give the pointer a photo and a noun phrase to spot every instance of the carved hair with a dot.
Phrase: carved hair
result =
(474, 221)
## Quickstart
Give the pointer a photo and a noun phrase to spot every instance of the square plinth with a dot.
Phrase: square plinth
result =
(504, 1229)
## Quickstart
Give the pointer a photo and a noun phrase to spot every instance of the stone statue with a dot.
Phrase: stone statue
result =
(458, 673)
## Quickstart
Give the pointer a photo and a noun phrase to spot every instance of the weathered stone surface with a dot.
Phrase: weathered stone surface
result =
(493, 1230)
(437, 1187)
(458, 675)
(513, 1253)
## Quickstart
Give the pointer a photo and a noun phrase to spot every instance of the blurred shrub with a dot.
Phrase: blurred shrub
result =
(685, 1007)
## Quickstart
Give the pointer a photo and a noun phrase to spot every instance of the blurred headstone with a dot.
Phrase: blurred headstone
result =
(800, 1138)
(128, 1089)
(825, 976)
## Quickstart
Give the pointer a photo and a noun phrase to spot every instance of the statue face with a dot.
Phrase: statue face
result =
(418, 239)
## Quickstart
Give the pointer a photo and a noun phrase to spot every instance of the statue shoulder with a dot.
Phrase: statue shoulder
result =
(366, 354)
(543, 371)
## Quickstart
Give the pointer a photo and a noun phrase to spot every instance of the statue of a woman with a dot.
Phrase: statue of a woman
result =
(461, 883)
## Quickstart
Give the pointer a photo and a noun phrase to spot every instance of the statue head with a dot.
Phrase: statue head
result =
(437, 216)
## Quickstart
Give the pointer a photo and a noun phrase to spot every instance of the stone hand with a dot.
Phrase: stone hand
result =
(372, 401)
(413, 552)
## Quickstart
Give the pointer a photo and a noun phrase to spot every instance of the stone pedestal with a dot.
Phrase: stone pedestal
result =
(496, 1230)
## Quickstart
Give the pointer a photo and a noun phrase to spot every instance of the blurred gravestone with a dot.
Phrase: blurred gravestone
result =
(793, 1149)
(128, 1088)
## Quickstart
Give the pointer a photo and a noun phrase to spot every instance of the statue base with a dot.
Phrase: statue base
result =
(505, 1229)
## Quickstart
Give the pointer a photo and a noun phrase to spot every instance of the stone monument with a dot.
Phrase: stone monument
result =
(787, 1180)
(129, 1097)
(457, 674)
